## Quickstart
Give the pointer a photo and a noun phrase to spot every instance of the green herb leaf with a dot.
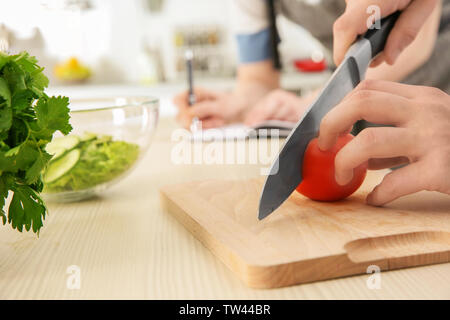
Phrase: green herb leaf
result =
(3, 195)
(28, 120)
(5, 119)
(15, 77)
(4, 58)
(4, 92)
(52, 115)
(34, 172)
(26, 209)
(22, 100)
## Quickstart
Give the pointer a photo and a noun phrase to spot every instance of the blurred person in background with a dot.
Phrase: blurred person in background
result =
(420, 56)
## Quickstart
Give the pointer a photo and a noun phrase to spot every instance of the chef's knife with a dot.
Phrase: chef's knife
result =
(285, 173)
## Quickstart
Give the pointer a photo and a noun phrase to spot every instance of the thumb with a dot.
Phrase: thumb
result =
(407, 28)
(396, 184)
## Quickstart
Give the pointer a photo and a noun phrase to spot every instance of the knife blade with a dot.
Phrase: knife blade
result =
(285, 173)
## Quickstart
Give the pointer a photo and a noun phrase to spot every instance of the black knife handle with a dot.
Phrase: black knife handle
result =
(378, 37)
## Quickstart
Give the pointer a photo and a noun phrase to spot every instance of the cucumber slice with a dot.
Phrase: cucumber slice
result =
(58, 153)
(88, 136)
(61, 166)
(64, 143)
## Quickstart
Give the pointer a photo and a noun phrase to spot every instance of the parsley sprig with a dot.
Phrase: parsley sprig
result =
(28, 120)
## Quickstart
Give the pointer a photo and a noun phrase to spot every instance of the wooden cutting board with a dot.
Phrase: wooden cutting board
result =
(304, 240)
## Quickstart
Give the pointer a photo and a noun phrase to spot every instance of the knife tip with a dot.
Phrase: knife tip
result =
(264, 212)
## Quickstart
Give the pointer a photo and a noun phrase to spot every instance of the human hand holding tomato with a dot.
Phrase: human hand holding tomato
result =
(318, 172)
(420, 138)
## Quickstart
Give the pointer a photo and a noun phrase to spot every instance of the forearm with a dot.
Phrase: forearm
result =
(416, 54)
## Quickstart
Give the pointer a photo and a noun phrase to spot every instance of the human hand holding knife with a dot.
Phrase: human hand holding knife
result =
(285, 174)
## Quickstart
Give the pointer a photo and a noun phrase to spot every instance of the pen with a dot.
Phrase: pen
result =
(189, 55)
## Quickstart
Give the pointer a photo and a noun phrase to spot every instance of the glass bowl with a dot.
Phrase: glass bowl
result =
(109, 136)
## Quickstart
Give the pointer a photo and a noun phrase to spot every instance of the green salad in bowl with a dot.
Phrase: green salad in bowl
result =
(106, 143)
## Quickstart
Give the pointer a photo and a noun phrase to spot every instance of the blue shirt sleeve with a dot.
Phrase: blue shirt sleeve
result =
(254, 47)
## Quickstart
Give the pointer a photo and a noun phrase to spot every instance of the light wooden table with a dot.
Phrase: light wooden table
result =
(126, 247)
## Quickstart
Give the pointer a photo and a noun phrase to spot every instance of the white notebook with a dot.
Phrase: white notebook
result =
(267, 129)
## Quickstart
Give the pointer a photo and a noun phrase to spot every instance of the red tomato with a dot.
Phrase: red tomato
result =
(318, 173)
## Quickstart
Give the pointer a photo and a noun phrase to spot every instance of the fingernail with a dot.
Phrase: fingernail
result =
(344, 178)
(369, 199)
(320, 145)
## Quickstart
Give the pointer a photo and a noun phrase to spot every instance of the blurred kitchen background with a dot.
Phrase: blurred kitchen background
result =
(102, 47)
